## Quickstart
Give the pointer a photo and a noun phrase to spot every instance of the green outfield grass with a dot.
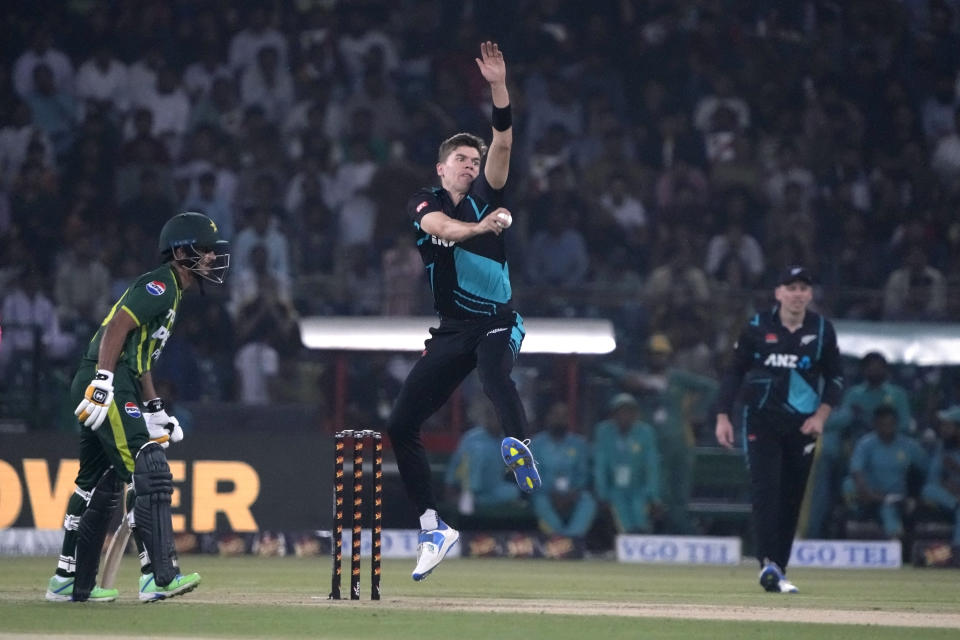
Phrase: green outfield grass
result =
(286, 598)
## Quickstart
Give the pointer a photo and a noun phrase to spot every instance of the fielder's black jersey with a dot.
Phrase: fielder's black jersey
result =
(776, 370)
(471, 279)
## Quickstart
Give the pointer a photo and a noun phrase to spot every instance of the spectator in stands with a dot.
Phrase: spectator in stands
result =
(211, 204)
(266, 327)
(357, 219)
(54, 111)
(616, 156)
(680, 185)
(35, 209)
(937, 110)
(474, 477)
(311, 182)
(354, 173)
(623, 204)
(82, 286)
(17, 135)
(943, 479)
(669, 137)
(565, 506)
(31, 326)
(315, 115)
(363, 39)
(102, 81)
(261, 228)
(42, 52)
(141, 146)
(220, 108)
(379, 98)
(734, 257)
(318, 231)
(882, 461)
(268, 84)
(626, 467)
(199, 76)
(557, 106)
(723, 97)
(151, 207)
(402, 272)
(674, 402)
(857, 259)
(143, 72)
(170, 107)
(678, 281)
(557, 256)
(845, 426)
(256, 34)
(945, 159)
(915, 291)
(790, 170)
(361, 286)
(253, 275)
(550, 162)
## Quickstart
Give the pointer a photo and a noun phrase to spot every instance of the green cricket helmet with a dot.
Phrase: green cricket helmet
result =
(198, 236)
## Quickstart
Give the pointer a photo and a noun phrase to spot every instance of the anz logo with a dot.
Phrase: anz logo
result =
(787, 361)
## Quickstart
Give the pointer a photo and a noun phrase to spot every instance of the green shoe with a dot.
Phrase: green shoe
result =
(151, 592)
(60, 589)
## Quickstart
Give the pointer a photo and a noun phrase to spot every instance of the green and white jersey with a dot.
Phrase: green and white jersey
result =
(152, 301)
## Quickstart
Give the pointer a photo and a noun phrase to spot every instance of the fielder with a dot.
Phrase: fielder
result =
(783, 382)
(458, 228)
(124, 427)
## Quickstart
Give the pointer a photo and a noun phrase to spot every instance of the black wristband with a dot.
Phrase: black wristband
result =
(502, 118)
(154, 406)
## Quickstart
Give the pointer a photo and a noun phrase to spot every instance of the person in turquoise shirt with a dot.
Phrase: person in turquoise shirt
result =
(672, 400)
(565, 506)
(879, 467)
(844, 427)
(627, 466)
(475, 473)
(943, 480)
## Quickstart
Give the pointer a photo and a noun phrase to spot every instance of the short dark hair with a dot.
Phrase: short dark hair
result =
(461, 140)
(885, 411)
(871, 357)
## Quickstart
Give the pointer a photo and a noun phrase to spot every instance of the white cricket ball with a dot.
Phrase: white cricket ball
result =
(504, 219)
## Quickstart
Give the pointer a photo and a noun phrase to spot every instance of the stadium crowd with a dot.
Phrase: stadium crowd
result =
(670, 159)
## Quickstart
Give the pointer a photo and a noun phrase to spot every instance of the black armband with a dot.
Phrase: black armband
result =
(502, 118)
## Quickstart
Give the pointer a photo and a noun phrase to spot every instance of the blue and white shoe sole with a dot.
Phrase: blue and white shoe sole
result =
(519, 459)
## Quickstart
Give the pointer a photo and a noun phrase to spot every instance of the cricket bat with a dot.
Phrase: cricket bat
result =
(115, 551)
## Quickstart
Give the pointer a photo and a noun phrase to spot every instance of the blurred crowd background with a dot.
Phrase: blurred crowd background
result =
(670, 157)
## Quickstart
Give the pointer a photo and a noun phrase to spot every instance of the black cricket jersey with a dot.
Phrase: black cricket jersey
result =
(470, 280)
(779, 371)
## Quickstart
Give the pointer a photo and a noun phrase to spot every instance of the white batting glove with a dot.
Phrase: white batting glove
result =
(162, 427)
(92, 410)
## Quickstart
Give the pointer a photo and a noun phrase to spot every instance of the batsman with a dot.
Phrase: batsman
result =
(124, 426)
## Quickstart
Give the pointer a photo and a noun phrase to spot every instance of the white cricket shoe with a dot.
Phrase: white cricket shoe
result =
(786, 586)
(432, 547)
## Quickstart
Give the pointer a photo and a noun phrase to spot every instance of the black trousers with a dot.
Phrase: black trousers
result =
(779, 457)
(454, 349)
